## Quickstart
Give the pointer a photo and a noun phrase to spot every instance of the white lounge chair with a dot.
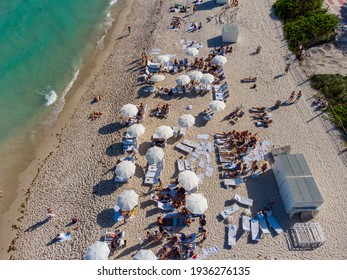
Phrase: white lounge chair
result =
(232, 235)
(180, 165)
(243, 200)
(184, 148)
(255, 229)
(187, 164)
(175, 131)
(233, 182)
(190, 143)
(246, 223)
(227, 212)
(183, 131)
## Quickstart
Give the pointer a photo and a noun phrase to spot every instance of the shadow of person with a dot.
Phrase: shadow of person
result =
(37, 225)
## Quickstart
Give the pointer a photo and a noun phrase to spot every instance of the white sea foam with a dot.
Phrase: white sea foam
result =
(113, 2)
(49, 95)
(58, 107)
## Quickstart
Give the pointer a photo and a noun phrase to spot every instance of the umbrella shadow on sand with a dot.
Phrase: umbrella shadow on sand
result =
(110, 128)
(115, 150)
(105, 218)
(105, 187)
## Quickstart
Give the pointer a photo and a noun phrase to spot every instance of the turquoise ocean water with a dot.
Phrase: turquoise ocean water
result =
(42, 46)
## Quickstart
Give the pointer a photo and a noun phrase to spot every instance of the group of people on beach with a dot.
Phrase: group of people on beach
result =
(235, 146)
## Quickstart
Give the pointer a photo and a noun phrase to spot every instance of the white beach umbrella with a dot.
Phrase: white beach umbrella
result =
(127, 200)
(136, 130)
(129, 110)
(145, 255)
(182, 80)
(125, 169)
(195, 75)
(157, 78)
(186, 120)
(189, 180)
(207, 79)
(192, 51)
(219, 60)
(216, 105)
(154, 155)
(163, 131)
(163, 58)
(196, 203)
(97, 251)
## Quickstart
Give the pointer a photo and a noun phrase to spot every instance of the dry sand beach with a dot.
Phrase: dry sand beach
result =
(76, 179)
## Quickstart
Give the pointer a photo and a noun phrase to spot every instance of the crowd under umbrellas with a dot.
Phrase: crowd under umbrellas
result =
(181, 193)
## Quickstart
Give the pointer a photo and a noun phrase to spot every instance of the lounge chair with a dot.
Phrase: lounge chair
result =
(183, 131)
(233, 182)
(180, 165)
(188, 240)
(230, 165)
(232, 235)
(180, 90)
(255, 229)
(246, 223)
(190, 143)
(118, 179)
(187, 90)
(187, 164)
(263, 226)
(243, 200)
(118, 216)
(197, 89)
(175, 131)
(184, 148)
(166, 206)
(174, 90)
(273, 223)
(208, 117)
(231, 210)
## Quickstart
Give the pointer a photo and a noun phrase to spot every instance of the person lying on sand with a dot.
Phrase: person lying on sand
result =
(1, 194)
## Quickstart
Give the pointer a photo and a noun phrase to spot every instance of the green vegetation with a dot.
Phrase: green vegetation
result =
(334, 88)
(306, 23)
(291, 9)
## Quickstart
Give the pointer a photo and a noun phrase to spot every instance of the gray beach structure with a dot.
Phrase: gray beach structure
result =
(230, 33)
(297, 186)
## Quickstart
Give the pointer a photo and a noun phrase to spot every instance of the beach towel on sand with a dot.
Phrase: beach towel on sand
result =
(64, 237)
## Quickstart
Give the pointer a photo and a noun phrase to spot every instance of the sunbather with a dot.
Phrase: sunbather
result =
(257, 110)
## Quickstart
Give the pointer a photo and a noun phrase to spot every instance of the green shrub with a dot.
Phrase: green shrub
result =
(291, 9)
(334, 88)
(316, 26)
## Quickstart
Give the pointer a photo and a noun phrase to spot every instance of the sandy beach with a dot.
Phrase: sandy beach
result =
(76, 177)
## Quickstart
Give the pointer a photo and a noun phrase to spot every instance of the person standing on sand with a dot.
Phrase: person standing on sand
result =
(286, 69)
(129, 29)
(194, 8)
(50, 213)
(291, 97)
(298, 96)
